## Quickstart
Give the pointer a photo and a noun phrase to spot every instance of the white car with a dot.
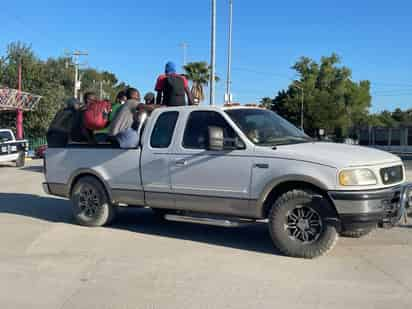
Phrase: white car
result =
(234, 166)
(12, 150)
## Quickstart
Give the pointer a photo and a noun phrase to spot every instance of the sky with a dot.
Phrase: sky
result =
(134, 39)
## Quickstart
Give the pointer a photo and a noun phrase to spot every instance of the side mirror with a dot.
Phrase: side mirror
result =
(216, 139)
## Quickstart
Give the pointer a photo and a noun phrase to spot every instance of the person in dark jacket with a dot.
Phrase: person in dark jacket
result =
(171, 88)
(59, 132)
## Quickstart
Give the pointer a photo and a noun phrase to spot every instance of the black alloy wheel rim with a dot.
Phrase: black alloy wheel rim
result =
(304, 224)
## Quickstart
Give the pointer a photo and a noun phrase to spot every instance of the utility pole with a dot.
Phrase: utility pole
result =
(76, 55)
(229, 56)
(213, 54)
(19, 115)
(184, 46)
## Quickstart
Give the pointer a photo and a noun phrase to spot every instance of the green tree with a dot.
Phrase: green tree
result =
(52, 79)
(332, 100)
(199, 74)
(266, 102)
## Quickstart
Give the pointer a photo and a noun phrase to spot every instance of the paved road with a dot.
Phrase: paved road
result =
(47, 262)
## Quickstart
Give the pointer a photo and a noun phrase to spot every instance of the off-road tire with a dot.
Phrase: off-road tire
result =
(357, 233)
(104, 212)
(21, 160)
(294, 200)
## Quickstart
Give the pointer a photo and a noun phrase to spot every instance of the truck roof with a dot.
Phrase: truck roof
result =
(209, 107)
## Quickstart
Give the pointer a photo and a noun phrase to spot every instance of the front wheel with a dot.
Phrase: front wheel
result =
(91, 205)
(302, 224)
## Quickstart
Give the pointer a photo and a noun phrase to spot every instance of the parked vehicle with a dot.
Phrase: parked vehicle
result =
(40, 151)
(12, 150)
(230, 167)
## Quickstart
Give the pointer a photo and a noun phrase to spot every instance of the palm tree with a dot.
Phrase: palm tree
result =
(199, 74)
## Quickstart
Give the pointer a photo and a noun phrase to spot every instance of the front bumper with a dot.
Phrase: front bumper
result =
(365, 209)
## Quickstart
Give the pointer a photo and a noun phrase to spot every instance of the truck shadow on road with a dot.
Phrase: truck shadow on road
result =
(142, 221)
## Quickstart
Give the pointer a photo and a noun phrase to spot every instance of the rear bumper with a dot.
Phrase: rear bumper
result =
(9, 157)
(365, 209)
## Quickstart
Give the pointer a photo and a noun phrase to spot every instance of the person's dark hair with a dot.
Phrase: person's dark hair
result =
(87, 95)
(130, 91)
(149, 98)
(121, 94)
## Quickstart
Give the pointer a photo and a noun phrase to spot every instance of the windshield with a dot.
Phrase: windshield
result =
(266, 128)
(5, 136)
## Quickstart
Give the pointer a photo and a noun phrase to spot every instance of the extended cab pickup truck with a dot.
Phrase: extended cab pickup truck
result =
(235, 166)
(12, 149)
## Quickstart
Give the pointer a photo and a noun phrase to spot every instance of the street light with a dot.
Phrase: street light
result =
(213, 54)
(228, 96)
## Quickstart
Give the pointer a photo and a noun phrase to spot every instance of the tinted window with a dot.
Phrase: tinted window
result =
(163, 131)
(265, 128)
(5, 136)
(196, 132)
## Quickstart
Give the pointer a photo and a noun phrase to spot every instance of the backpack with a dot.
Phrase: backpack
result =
(60, 128)
(174, 90)
(96, 115)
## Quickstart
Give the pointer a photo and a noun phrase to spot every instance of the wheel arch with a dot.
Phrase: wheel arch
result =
(276, 188)
(75, 177)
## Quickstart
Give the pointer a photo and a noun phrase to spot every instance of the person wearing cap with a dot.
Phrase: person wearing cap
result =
(172, 88)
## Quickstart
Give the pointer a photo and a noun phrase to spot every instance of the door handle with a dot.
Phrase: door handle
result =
(181, 162)
(262, 165)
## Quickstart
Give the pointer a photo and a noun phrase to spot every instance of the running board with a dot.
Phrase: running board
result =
(222, 222)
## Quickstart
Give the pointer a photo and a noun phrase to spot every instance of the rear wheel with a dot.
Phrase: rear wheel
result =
(91, 205)
(302, 224)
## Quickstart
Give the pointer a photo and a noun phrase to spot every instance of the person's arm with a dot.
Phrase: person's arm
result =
(159, 98)
(188, 93)
(159, 90)
(189, 96)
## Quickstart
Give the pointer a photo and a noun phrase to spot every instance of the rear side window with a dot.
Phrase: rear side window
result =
(196, 132)
(163, 131)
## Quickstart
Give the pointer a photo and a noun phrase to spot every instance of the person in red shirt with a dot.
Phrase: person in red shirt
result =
(172, 88)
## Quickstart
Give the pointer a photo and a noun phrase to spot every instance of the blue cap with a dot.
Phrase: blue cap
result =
(170, 68)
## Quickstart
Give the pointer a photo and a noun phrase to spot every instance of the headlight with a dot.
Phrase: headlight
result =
(357, 177)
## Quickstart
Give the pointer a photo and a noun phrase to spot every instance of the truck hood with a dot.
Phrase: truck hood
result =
(331, 154)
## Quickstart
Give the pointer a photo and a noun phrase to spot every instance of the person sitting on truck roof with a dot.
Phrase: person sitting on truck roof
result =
(120, 129)
(172, 87)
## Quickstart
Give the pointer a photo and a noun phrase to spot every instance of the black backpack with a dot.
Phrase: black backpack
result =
(60, 128)
(174, 91)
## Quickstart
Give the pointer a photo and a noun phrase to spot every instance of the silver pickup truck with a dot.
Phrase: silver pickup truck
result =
(230, 167)
(12, 150)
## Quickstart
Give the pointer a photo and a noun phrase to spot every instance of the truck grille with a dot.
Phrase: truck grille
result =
(393, 174)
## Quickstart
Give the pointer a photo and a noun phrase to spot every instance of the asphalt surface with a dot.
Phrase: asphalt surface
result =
(48, 262)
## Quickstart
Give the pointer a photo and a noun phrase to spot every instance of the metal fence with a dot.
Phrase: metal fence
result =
(34, 143)
(397, 140)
